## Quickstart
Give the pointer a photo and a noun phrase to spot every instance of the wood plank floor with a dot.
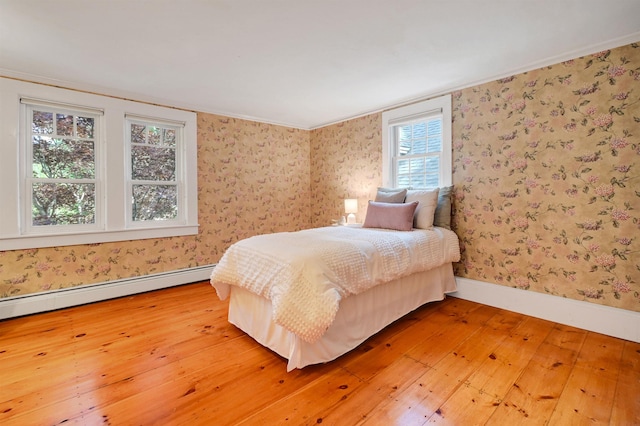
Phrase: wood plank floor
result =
(170, 358)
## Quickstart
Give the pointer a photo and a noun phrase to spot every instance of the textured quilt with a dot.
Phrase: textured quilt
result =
(305, 274)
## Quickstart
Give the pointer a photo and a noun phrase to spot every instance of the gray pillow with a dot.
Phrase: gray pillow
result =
(442, 216)
(391, 195)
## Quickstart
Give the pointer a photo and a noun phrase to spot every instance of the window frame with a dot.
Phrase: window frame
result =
(27, 107)
(111, 170)
(394, 118)
(179, 172)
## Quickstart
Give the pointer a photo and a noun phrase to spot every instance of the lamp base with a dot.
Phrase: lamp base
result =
(351, 219)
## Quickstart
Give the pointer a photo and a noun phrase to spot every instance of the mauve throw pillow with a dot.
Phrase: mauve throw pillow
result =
(390, 216)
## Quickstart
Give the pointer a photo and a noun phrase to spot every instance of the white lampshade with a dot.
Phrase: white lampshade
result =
(351, 207)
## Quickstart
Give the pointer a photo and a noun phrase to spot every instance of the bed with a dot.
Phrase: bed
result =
(314, 295)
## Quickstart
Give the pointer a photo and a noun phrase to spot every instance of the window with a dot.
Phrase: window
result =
(153, 164)
(61, 181)
(79, 168)
(417, 145)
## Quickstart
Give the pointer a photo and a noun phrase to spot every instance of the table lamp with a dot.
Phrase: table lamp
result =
(351, 208)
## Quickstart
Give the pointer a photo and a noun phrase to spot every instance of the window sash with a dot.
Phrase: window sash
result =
(30, 182)
(423, 177)
(136, 218)
(420, 111)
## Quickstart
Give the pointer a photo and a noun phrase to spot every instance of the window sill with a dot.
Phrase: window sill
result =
(57, 240)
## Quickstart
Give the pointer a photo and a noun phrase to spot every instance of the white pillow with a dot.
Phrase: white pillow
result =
(427, 203)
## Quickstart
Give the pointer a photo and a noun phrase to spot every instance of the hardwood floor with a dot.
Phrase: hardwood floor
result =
(170, 358)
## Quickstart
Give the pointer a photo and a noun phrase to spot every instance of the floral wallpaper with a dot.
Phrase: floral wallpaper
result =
(253, 178)
(346, 161)
(546, 175)
(547, 172)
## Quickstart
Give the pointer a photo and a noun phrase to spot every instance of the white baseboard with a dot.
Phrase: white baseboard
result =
(58, 299)
(614, 322)
(602, 319)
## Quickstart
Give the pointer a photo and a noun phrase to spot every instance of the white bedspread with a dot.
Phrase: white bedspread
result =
(305, 274)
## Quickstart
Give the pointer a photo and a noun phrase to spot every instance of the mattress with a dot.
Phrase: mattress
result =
(359, 316)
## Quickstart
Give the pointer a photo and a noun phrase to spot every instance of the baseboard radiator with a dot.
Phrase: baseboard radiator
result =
(16, 306)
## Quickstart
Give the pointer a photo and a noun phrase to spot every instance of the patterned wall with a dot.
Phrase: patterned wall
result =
(547, 175)
(346, 162)
(253, 178)
(546, 168)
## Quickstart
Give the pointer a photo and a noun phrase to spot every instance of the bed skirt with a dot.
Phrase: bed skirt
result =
(358, 318)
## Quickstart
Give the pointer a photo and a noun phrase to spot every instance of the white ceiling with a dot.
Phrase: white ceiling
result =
(300, 63)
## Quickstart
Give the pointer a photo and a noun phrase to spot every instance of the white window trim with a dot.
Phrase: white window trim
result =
(411, 112)
(180, 172)
(12, 229)
(27, 228)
